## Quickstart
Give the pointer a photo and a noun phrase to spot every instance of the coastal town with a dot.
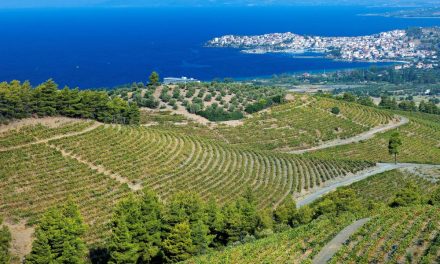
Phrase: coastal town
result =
(394, 45)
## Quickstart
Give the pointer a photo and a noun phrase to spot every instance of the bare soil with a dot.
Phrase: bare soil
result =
(22, 238)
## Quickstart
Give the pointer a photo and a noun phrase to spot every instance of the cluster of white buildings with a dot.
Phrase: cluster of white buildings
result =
(385, 46)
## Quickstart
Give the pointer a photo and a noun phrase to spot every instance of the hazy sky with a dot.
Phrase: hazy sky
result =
(73, 3)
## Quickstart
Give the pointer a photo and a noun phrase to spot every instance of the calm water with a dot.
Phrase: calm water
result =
(107, 47)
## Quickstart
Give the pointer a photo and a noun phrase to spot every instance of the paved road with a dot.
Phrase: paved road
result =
(336, 243)
(360, 137)
(332, 185)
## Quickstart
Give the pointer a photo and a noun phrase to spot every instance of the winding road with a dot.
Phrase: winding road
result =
(336, 243)
(360, 137)
(334, 184)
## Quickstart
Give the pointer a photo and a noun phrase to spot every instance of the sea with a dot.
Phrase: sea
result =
(107, 47)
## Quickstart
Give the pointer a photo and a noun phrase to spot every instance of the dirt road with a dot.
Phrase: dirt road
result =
(360, 137)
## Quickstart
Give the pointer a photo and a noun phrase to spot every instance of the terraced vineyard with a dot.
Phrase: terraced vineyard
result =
(98, 165)
(168, 162)
(36, 177)
(421, 143)
(296, 246)
(382, 187)
(303, 124)
(404, 235)
(30, 134)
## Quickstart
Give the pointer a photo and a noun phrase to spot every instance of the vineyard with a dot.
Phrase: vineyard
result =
(403, 235)
(100, 166)
(421, 143)
(304, 123)
(168, 162)
(382, 187)
(296, 246)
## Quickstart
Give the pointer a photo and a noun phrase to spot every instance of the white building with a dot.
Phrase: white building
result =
(173, 80)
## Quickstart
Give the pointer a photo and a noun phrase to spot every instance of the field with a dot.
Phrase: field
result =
(296, 246)
(97, 165)
(393, 235)
(421, 143)
(381, 188)
(304, 123)
(403, 235)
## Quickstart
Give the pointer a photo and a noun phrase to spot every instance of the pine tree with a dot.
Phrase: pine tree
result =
(41, 250)
(394, 145)
(200, 237)
(58, 237)
(154, 78)
(178, 245)
(121, 247)
(46, 98)
(148, 236)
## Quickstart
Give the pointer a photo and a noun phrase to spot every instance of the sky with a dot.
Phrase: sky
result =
(124, 3)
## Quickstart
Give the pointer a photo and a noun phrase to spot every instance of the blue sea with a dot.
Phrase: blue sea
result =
(105, 47)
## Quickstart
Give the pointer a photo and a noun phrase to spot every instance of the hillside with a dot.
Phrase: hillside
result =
(203, 102)
(390, 234)
(97, 165)
(306, 122)
(420, 137)
(47, 161)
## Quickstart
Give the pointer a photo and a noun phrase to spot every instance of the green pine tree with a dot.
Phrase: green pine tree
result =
(178, 245)
(121, 247)
(149, 233)
(46, 98)
(58, 237)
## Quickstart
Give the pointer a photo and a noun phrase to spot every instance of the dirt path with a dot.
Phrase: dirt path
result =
(336, 243)
(363, 136)
(43, 141)
(133, 186)
(334, 184)
(51, 122)
(22, 238)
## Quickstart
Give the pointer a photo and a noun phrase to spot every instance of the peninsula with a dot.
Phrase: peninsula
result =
(396, 45)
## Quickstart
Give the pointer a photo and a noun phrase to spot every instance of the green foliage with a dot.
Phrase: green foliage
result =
(407, 197)
(58, 237)
(121, 246)
(388, 103)
(136, 229)
(154, 78)
(285, 213)
(216, 113)
(178, 245)
(335, 110)
(20, 100)
(435, 197)
(5, 243)
(394, 144)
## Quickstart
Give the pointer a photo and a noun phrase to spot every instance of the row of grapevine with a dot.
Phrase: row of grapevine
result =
(169, 162)
(293, 126)
(397, 236)
(421, 144)
(362, 115)
(36, 177)
(296, 246)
